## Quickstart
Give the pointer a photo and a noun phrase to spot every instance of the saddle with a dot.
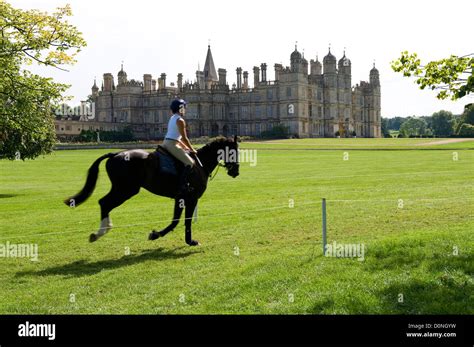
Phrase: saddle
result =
(166, 163)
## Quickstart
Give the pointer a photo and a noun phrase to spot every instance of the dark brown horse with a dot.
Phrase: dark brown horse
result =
(131, 170)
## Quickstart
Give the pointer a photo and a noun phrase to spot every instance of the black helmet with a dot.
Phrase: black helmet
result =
(177, 104)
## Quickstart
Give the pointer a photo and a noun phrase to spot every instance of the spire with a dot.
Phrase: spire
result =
(209, 68)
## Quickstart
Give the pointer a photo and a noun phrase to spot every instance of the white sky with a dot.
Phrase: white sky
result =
(172, 37)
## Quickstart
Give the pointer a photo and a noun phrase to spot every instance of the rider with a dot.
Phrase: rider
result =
(176, 141)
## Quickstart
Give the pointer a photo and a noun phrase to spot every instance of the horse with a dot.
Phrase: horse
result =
(131, 170)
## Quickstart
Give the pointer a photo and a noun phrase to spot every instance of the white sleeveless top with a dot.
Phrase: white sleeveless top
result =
(173, 131)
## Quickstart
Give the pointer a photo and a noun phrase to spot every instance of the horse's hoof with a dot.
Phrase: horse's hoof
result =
(93, 237)
(153, 235)
(194, 243)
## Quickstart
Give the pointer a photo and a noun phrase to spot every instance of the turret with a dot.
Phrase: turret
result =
(374, 77)
(296, 60)
(95, 90)
(316, 67)
(122, 77)
(329, 63)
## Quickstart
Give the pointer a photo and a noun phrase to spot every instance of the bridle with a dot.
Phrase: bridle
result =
(211, 176)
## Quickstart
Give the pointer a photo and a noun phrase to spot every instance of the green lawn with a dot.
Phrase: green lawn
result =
(420, 247)
(365, 143)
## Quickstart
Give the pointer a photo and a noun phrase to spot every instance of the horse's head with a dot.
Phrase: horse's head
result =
(224, 152)
(232, 162)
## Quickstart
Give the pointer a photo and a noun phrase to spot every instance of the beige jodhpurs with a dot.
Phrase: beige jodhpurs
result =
(178, 152)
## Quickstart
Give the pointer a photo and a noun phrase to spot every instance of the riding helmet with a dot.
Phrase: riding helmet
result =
(177, 104)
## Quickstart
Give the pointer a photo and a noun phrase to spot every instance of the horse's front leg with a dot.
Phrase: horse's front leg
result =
(178, 209)
(190, 206)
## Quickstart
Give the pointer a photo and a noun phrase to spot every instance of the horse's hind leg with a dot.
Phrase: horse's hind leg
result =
(110, 201)
(178, 209)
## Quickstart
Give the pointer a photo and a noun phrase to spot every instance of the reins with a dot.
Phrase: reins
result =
(211, 176)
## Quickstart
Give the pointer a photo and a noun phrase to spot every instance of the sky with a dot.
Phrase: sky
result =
(172, 37)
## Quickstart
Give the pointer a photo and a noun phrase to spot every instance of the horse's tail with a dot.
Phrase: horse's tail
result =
(91, 180)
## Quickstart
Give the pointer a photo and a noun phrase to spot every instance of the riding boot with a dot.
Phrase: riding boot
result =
(184, 184)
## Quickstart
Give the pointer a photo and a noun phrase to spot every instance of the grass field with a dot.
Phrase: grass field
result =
(411, 209)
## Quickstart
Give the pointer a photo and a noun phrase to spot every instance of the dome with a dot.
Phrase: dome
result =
(374, 71)
(121, 72)
(295, 55)
(344, 61)
(329, 58)
(94, 87)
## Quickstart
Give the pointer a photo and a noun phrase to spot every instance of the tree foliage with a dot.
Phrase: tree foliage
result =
(26, 99)
(442, 123)
(413, 127)
(385, 128)
(453, 76)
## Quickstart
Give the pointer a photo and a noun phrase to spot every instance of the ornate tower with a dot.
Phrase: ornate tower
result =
(375, 121)
(298, 62)
(121, 76)
(210, 74)
(331, 121)
(344, 90)
(95, 90)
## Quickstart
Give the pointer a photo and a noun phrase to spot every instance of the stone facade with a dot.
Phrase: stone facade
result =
(310, 99)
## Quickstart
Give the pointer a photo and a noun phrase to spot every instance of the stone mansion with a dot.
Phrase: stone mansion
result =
(309, 98)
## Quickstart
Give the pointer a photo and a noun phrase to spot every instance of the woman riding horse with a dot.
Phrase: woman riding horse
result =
(176, 141)
(134, 169)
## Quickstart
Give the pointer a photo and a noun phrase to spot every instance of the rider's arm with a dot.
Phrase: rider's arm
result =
(184, 137)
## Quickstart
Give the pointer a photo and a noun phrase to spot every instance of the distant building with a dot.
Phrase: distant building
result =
(310, 99)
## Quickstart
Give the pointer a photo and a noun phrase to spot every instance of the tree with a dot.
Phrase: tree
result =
(453, 75)
(27, 99)
(413, 127)
(466, 130)
(468, 115)
(395, 122)
(442, 123)
(385, 130)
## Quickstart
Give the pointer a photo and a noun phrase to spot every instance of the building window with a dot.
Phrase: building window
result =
(288, 91)
(269, 94)
(68, 128)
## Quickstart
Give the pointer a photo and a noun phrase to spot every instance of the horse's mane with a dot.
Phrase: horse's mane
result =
(217, 142)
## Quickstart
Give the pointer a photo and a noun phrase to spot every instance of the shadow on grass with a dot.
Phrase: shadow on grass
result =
(423, 283)
(5, 196)
(84, 268)
(447, 288)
